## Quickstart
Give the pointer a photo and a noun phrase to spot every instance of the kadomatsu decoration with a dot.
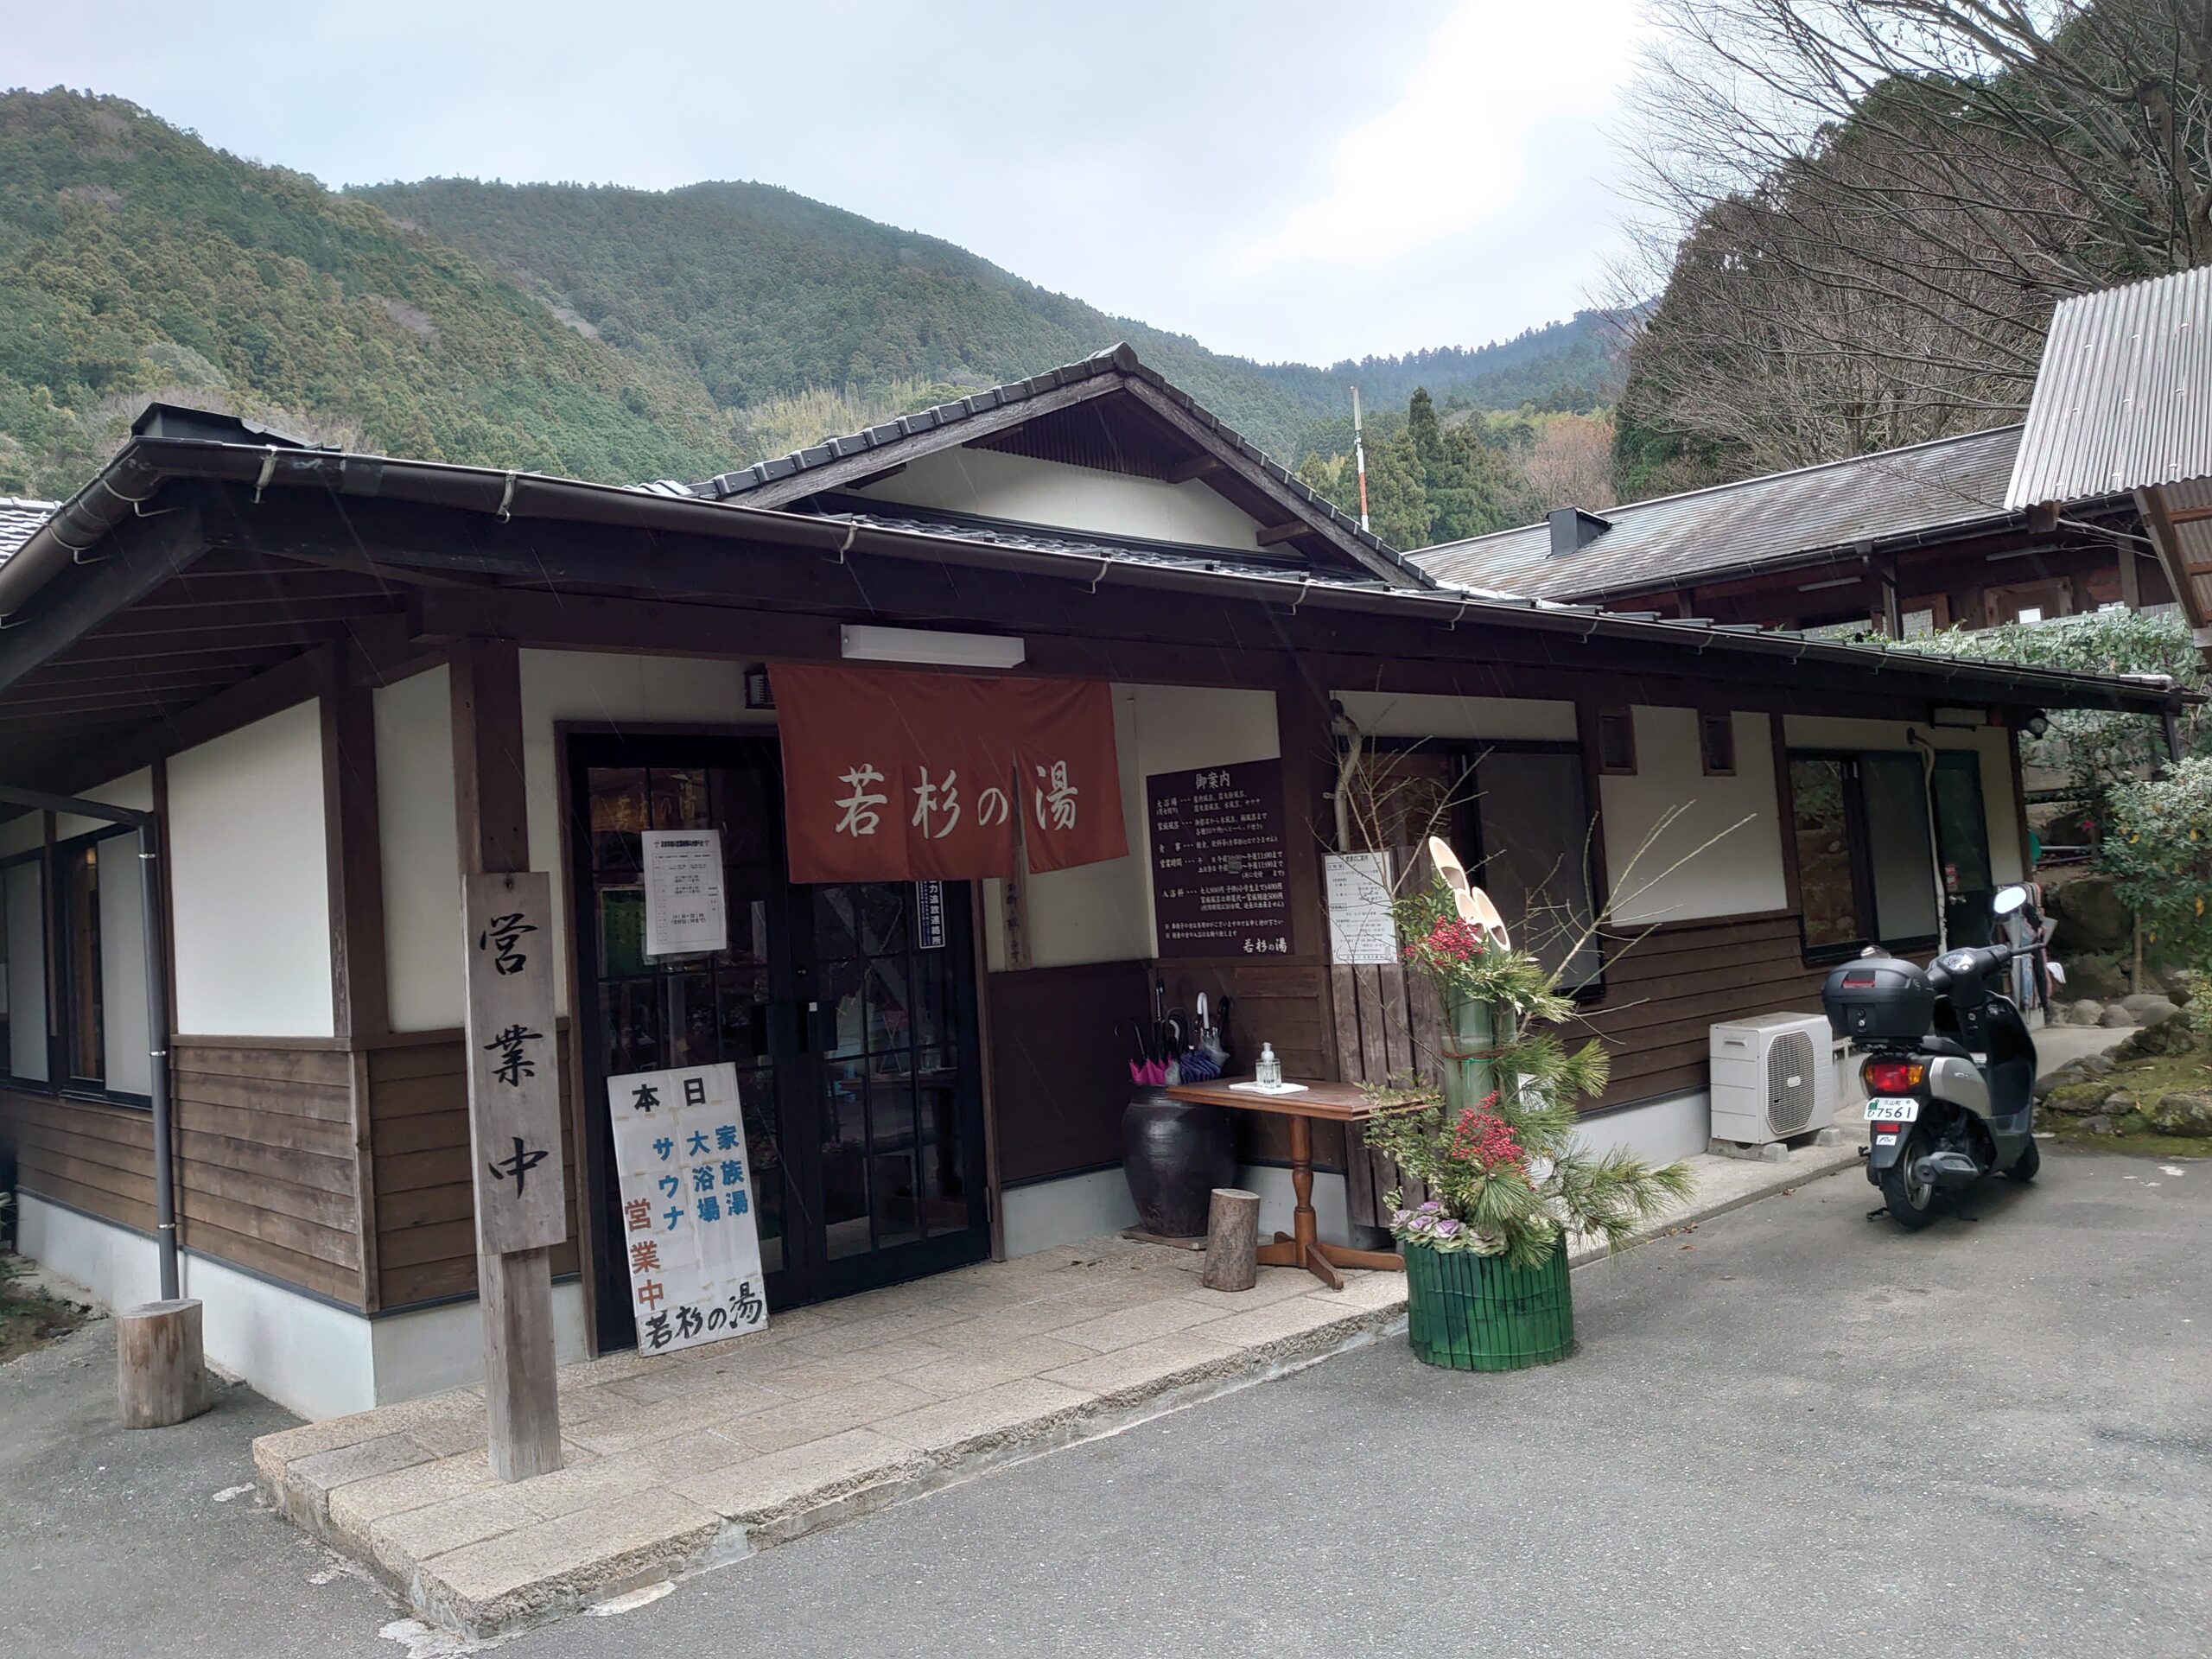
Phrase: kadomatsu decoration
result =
(1493, 1146)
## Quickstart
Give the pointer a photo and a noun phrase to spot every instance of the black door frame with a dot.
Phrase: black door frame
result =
(809, 1273)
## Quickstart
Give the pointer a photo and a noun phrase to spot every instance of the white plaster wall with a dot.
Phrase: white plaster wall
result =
(994, 485)
(1102, 912)
(1409, 714)
(306, 1355)
(26, 1054)
(434, 1349)
(1660, 1130)
(250, 881)
(1720, 853)
(2006, 862)
(615, 692)
(416, 827)
(134, 792)
(1076, 1207)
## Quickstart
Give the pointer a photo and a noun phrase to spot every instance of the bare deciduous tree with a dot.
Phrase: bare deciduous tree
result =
(1570, 463)
(1865, 209)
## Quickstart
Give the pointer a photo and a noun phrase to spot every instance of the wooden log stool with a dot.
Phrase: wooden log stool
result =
(1232, 1240)
(160, 1376)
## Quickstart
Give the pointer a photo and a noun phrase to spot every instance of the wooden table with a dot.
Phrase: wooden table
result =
(1331, 1102)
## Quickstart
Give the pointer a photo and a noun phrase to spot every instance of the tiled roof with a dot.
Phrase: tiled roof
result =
(19, 520)
(1075, 544)
(1731, 529)
(1118, 360)
(2123, 396)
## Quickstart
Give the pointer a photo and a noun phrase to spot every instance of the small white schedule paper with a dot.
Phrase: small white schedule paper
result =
(683, 893)
(690, 1239)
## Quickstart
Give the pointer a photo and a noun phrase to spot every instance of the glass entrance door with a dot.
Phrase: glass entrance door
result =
(843, 1008)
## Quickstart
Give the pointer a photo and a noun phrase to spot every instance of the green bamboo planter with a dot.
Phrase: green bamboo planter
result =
(1481, 1313)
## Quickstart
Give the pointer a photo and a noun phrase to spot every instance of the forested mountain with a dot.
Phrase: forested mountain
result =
(605, 333)
(136, 261)
(764, 294)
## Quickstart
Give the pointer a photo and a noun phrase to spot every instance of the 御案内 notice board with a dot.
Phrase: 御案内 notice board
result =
(1220, 877)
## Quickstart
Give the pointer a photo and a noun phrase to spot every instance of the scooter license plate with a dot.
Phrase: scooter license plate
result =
(1892, 1108)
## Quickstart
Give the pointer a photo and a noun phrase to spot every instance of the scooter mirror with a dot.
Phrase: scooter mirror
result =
(2009, 900)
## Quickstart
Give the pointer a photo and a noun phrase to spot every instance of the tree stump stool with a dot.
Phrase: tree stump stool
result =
(1232, 1240)
(160, 1376)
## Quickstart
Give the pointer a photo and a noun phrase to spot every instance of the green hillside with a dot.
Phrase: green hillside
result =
(135, 260)
(763, 295)
(605, 333)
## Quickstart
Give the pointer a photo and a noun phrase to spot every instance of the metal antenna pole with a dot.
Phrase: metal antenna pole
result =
(1359, 456)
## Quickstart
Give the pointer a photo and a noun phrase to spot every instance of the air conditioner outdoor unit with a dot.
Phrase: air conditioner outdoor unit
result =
(1774, 1077)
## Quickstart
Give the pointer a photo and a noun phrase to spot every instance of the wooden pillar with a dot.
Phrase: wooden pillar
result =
(1892, 617)
(360, 992)
(515, 1287)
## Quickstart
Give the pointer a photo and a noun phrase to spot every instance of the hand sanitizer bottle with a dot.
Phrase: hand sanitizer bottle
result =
(1267, 1071)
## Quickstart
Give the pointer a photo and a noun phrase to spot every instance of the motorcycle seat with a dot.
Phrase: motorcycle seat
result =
(1950, 1047)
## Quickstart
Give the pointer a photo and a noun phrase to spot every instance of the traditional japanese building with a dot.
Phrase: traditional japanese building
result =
(1009, 721)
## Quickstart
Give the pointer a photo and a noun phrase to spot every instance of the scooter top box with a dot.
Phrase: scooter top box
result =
(1879, 999)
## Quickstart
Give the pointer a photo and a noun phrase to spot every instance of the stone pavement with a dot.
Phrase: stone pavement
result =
(685, 1461)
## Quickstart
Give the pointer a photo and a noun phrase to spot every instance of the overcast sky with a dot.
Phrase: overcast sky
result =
(1284, 180)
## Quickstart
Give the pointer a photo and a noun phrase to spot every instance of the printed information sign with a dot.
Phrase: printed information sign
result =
(684, 894)
(1220, 881)
(691, 1240)
(1362, 931)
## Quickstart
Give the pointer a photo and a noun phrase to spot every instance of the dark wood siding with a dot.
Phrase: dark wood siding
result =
(93, 1158)
(265, 1165)
(426, 1227)
(1059, 1072)
(265, 1160)
(1664, 988)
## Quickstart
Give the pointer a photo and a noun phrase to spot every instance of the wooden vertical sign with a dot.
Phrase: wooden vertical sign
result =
(514, 1136)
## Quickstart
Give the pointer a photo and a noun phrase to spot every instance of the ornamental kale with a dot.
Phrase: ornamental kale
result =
(1501, 1169)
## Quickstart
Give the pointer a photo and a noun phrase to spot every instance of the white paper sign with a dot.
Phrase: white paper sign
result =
(683, 893)
(1361, 932)
(690, 1241)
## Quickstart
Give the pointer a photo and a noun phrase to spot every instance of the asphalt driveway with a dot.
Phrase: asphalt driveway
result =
(1791, 1432)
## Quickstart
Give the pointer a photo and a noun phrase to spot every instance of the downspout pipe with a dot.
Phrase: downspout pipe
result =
(157, 1000)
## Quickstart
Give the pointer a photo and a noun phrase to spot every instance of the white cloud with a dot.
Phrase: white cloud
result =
(1451, 152)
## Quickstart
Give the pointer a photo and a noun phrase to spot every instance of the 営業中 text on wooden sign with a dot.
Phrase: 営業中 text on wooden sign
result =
(690, 1236)
(514, 1083)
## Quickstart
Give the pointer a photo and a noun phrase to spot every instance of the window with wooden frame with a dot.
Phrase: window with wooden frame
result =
(1716, 743)
(1881, 843)
(1616, 742)
(82, 1029)
(23, 1055)
(1518, 813)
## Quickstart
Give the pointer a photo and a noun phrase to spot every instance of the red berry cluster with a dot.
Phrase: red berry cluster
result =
(1450, 940)
(1488, 1138)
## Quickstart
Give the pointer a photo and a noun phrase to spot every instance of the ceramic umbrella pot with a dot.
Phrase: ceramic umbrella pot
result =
(1175, 1153)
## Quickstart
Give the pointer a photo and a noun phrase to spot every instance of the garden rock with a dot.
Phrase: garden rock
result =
(2115, 1017)
(2149, 1007)
(2095, 1065)
(2121, 1102)
(2091, 914)
(2169, 1036)
(2096, 976)
(2059, 1077)
(2098, 1125)
(2187, 1111)
(2084, 1013)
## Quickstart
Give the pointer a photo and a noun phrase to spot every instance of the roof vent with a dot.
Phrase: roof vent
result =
(1572, 530)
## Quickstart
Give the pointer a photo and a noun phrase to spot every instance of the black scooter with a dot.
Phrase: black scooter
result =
(1950, 1069)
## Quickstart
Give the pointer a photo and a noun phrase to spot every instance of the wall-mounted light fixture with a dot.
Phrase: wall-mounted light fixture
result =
(866, 644)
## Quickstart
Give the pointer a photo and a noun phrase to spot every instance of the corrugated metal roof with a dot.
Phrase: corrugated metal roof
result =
(2123, 396)
(19, 520)
(1784, 517)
